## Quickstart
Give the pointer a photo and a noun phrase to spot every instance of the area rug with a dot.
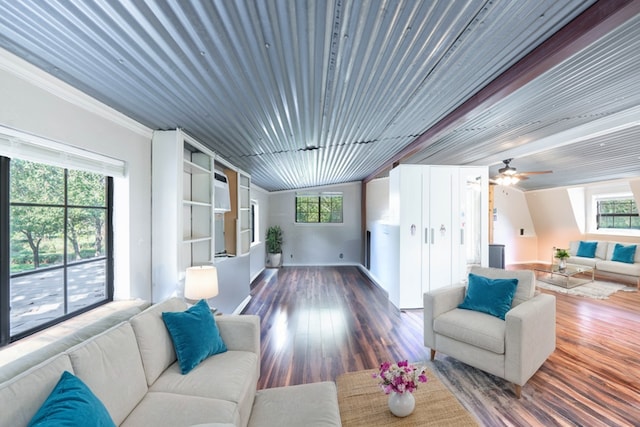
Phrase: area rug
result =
(595, 290)
(362, 403)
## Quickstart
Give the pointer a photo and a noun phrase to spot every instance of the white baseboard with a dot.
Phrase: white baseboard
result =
(242, 305)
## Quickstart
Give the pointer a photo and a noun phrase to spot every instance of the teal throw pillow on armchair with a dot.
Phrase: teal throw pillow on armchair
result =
(491, 296)
(587, 249)
(71, 403)
(623, 253)
(195, 335)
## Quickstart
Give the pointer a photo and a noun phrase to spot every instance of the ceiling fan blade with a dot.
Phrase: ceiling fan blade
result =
(533, 173)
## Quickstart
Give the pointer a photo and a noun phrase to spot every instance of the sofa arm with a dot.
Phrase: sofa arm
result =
(437, 303)
(530, 337)
(240, 332)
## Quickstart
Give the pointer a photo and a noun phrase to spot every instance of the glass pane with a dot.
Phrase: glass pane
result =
(36, 237)
(86, 231)
(36, 183)
(86, 284)
(36, 298)
(86, 189)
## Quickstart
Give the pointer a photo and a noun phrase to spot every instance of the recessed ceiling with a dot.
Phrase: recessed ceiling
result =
(302, 94)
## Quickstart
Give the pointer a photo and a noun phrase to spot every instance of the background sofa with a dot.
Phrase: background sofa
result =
(513, 348)
(603, 264)
(133, 371)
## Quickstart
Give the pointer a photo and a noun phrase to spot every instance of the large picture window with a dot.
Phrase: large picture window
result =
(319, 208)
(617, 213)
(60, 238)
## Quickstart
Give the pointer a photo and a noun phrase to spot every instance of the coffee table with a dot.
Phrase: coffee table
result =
(565, 277)
(363, 404)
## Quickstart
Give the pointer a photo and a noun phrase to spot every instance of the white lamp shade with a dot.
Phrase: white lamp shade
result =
(201, 282)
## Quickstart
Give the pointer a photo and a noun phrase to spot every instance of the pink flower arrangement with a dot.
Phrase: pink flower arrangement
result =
(399, 377)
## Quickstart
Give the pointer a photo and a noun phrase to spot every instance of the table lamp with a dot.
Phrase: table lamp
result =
(201, 282)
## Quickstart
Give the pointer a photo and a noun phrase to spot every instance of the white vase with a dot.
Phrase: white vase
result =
(563, 264)
(401, 404)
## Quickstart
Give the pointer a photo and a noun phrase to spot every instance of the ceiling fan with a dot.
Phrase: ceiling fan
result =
(508, 175)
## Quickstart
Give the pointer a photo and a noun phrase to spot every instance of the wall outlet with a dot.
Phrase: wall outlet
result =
(341, 256)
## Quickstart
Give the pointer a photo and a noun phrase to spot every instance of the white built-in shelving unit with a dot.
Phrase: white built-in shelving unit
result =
(185, 220)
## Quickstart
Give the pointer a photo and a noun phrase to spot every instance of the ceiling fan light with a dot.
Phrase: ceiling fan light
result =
(514, 180)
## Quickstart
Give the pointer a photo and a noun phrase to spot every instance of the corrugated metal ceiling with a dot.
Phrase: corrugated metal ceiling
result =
(305, 93)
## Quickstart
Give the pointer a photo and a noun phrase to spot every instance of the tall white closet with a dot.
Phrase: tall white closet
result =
(441, 213)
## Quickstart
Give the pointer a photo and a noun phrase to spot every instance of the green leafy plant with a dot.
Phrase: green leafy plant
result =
(562, 253)
(274, 240)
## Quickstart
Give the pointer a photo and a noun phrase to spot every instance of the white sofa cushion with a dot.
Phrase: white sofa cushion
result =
(168, 409)
(315, 404)
(227, 376)
(22, 396)
(619, 268)
(154, 341)
(110, 365)
(588, 262)
(472, 327)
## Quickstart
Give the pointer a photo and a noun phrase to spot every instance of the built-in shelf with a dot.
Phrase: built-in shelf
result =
(194, 169)
(192, 203)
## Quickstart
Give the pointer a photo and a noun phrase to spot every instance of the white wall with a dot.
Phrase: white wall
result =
(35, 102)
(258, 249)
(512, 215)
(377, 201)
(319, 244)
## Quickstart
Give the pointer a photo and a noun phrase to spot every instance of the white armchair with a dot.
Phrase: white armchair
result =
(514, 348)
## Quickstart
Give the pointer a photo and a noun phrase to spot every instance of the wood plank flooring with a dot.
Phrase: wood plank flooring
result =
(319, 322)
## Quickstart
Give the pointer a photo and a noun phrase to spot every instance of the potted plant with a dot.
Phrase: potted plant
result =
(274, 246)
(562, 255)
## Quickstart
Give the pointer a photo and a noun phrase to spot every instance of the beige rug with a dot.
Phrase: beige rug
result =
(362, 403)
(595, 290)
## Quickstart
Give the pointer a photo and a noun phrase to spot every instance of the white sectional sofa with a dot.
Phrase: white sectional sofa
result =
(603, 264)
(132, 369)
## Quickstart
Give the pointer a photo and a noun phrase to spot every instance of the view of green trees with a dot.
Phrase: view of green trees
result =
(39, 206)
(621, 213)
(323, 208)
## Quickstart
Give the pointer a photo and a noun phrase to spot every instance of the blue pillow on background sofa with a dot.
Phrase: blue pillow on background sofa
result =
(623, 253)
(587, 249)
(491, 296)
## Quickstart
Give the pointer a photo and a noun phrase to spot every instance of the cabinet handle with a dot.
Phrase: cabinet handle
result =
(426, 236)
(432, 236)
(462, 236)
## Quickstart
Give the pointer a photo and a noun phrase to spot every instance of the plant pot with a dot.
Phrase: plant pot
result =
(274, 260)
(401, 404)
(563, 264)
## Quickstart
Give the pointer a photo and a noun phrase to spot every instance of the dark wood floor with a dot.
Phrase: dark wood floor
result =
(319, 322)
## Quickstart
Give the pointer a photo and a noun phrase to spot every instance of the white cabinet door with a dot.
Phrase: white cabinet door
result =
(441, 198)
(406, 195)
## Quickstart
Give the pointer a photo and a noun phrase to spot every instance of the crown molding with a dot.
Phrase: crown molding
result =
(34, 75)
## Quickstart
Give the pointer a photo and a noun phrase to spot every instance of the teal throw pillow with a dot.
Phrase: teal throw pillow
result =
(491, 296)
(587, 249)
(195, 335)
(623, 253)
(71, 404)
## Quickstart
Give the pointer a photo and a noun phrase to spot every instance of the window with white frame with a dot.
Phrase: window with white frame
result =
(617, 212)
(55, 232)
(325, 207)
(255, 221)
